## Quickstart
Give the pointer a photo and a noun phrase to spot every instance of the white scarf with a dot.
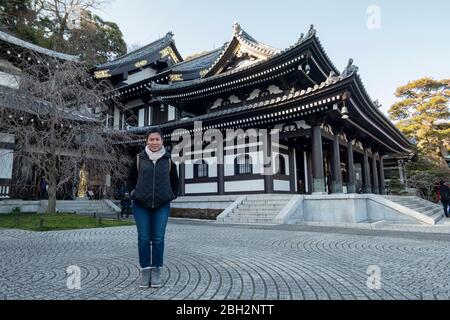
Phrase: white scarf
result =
(155, 156)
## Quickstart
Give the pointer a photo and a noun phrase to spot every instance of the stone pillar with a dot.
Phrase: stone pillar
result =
(336, 166)
(318, 183)
(220, 169)
(351, 185)
(400, 171)
(375, 186)
(382, 183)
(292, 169)
(367, 188)
(268, 168)
(182, 173)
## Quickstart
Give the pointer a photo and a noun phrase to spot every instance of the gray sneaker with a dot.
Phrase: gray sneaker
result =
(156, 278)
(145, 278)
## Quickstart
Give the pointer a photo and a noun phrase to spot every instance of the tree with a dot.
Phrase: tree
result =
(424, 176)
(67, 26)
(17, 17)
(56, 132)
(423, 114)
(98, 41)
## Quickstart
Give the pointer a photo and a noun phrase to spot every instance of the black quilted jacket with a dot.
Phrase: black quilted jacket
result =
(153, 186)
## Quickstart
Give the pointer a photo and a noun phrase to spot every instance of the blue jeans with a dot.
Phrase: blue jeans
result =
(151, 228)
(446, 205)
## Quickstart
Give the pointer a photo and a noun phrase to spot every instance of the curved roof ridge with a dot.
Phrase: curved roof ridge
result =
(202, 55)
(244, 36)
(28, 45)
(157, 44)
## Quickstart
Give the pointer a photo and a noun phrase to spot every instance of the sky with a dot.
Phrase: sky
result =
(391, 41)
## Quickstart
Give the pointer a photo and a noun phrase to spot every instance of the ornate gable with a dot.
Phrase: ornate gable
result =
(243, 50)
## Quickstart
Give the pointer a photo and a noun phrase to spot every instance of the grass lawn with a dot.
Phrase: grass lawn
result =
(59, 221)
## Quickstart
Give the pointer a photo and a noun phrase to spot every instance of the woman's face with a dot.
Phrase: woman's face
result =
(154, 142)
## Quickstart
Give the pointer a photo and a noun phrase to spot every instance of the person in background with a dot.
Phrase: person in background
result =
(43, 186)
(444, 193)
(125, 203)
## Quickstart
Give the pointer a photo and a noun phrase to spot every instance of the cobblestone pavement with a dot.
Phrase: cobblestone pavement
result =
(206, 260)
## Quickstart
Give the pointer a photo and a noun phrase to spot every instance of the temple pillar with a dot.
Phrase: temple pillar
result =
(375, 186)
(220, 170)
(336, 166)
(292, 170)
(318, 183)
(382, 182)
(267, 167)
(182, 174)
(367, 187)
(351, 185)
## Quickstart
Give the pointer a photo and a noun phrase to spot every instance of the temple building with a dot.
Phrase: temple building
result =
(332, 136)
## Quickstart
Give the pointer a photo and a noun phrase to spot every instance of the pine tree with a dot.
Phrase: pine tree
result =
(423, 114)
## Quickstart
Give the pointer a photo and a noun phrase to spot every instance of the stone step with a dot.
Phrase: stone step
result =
(245, 211)
(433, 212)
(263, 208)
(400, 197)
(259, 208)
(253, 215)
(269, 197)
(421, 208)
(263, 202)
(248, 220)
(251, 211)
(81, 206)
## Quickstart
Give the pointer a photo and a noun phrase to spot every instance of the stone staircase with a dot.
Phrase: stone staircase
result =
(419, 205)
(258, 209)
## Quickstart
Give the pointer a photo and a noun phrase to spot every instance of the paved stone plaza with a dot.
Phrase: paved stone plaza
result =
(206, 260)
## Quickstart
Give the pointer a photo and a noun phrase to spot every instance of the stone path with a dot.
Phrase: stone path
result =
(207, 260)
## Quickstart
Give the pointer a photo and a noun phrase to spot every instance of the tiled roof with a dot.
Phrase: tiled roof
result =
(140, 53)
(21, 101)
(201, 62)
(27, 45)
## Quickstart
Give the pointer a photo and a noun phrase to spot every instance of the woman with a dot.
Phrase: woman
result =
(153, 181)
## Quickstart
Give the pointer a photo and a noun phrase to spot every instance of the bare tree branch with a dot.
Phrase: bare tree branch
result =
(56, 132)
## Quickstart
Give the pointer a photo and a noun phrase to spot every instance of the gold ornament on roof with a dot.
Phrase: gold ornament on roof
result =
(168, 51)
(176, 77)
(102, 74)
(140, 64)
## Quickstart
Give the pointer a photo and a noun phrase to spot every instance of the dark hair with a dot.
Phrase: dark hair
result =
(154, 130)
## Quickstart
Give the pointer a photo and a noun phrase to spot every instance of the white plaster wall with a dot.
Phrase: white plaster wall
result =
(6, 163)
(201, 187)
(116, 119)
(244, 185)
(9, 80)
(141, 117)
(141, 75)
(134, 103)
(281, 185)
